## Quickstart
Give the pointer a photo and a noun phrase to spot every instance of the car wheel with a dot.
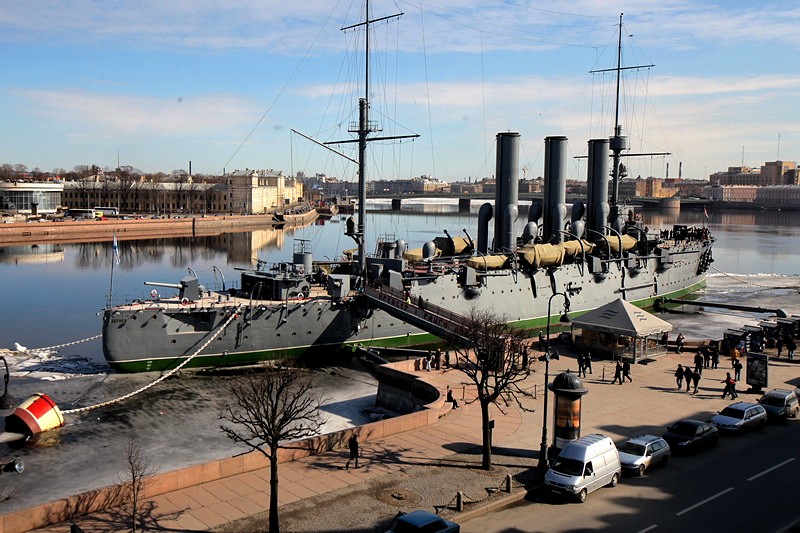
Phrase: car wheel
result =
(642, 468)
(614, 480)
(581, 496)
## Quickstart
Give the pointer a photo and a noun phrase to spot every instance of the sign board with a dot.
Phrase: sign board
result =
(757, 370)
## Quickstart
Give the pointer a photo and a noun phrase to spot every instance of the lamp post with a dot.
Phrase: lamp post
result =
(544, 460)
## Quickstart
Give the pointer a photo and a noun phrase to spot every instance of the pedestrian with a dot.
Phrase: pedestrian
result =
(665, 339)
(734, 356)
(696, 381)
(698, 363)
(779, 344)
(525, 361)
(715, 359)
(438, 359)
(451, 399)
(791, 346)
(617, 374)
(581, 366)
(688, 375)
(541, 341)
(626, 371)
(679, 343)
(706, 358)
(679, 376)
(428, 362)
(587, 361)
(353, 445)
(421, 303)
(737, 367)
(730, 386)
(447, 358)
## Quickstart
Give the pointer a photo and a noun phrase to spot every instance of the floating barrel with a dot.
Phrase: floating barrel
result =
(33, 416)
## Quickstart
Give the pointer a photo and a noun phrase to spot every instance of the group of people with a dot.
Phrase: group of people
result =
(622, 371)
(584, 363)
(692, 377)
(433, 361)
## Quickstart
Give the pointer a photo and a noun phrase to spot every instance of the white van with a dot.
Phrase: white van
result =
(584, 466)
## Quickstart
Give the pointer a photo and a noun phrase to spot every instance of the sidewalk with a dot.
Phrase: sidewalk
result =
(424, 468)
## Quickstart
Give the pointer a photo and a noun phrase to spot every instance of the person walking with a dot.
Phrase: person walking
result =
(696, 381)
(525, 361)
(587, 361)
(791, 346)
(734, 356)
(626, 371)
(353, 445)
(779, 344)
(617, 374)
(679, 343)
(729, 386)
(715, 359)
(581, 366)
(737, 368)
(679, 376)
(698, 363)
(706, 357)
(688, 375)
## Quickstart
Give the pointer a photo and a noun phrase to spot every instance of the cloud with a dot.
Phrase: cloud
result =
(93, 113)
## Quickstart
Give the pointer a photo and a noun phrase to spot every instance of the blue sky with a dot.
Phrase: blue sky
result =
(222, 83)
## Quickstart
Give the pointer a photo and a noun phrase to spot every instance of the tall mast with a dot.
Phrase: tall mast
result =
(363, 128)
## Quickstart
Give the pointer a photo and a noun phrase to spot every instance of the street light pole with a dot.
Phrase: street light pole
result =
(544, 460)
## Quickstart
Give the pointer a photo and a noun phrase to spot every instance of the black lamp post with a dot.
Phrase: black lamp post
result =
(544, 460)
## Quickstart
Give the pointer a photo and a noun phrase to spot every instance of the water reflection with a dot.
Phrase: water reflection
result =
(32, 253)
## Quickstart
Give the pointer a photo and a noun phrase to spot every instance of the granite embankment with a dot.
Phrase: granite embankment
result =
(103, 230)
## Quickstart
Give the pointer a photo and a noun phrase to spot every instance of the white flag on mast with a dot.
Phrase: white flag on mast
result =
(115, 248)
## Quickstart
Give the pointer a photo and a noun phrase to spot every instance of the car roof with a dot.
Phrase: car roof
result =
(420, 518)
(691, 422)
(741, 405)
(779, 393)
(643, 439)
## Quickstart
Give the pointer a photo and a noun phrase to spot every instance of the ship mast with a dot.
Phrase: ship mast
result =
(362, 129)
(619, 142)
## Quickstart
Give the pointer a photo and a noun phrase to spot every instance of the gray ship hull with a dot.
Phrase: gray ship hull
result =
(160, 334)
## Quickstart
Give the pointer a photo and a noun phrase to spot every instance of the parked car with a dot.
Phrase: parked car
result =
(423, 522)
(780, 404)
(642, 453)
(740, 417)
(689, 436)
(583, 466)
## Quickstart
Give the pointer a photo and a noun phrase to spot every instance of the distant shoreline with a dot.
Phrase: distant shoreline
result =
(20, 233)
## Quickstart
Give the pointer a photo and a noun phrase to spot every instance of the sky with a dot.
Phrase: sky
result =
(155, 84)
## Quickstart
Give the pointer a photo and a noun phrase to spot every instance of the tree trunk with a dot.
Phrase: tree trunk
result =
(487, 436)
(274, 527)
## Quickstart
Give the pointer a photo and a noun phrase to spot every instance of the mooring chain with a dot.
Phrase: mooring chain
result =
(216, 334)
(740, 280)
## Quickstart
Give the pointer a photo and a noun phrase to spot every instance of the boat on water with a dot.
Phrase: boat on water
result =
(298, 215)
(397, 296)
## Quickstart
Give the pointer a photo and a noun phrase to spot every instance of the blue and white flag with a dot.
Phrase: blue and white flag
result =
(115, 248)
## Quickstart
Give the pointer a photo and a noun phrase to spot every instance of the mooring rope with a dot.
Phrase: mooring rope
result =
(219, 330)
(759, 285)
(73, 343)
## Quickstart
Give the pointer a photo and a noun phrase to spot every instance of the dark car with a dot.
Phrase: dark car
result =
(423, 522)
(740, 417)
(780, 404)
(689, 436)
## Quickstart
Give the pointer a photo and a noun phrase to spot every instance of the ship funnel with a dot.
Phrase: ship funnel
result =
(597, 187)
(506, 190)
(484, 216)
(555, 188)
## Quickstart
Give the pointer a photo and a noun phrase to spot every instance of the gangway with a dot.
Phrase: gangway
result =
(452, 327)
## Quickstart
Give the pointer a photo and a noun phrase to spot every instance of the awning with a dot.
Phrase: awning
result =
(622, 318)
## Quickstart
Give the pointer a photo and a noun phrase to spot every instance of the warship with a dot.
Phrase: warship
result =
(593, 253)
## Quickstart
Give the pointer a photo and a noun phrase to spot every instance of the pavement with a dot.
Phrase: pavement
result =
(425, 468)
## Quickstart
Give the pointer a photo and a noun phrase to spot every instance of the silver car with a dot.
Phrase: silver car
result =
(643, 452)
(740, 417)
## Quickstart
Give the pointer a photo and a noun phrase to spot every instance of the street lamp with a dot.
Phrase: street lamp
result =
(544, 460)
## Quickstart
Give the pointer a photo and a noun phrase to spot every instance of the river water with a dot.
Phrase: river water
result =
(52, 293)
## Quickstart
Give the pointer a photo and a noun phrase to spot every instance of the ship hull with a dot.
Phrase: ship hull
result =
(158, 335)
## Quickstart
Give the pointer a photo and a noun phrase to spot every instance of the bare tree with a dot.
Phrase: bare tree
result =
(496, 364)
(269, 410)
(138, 470)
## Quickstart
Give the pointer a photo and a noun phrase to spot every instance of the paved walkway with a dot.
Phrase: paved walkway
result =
(309, 487)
